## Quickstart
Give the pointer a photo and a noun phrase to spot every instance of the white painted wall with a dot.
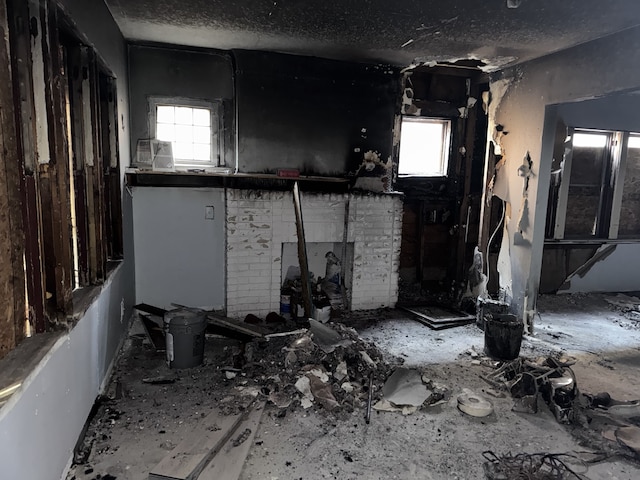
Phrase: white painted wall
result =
(40, 424)
(179, 254)
(617, 272)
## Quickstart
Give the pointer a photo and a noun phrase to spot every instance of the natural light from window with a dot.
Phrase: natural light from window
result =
(424, 147)
(634, 141)
(189, 130)
(590, 140)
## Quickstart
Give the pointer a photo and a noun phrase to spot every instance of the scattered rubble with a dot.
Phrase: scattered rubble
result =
(548, 377)
(538, 466)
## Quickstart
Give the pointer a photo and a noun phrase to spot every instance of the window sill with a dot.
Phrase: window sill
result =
(590, 241)
(264, 181)
(84, 297)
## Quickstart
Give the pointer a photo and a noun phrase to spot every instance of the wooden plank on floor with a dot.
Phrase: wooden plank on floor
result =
(228, 463)
(227, 323)
(150, 309)
(155, 333)
(189, 458)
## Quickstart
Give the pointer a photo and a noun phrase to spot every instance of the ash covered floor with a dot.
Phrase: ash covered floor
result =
(137, 424)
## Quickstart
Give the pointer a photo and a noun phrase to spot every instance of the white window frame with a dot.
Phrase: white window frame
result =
(445, 146)
(215, 108)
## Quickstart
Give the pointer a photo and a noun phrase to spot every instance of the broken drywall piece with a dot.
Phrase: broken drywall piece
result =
(629, 436)
(326, 338)
(602, 253)
(405, 387)
(523, 223)
(386, 406)
(499, 184)
(303, 385)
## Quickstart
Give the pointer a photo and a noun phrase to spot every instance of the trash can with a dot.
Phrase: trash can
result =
(503, 336)
(184, 333)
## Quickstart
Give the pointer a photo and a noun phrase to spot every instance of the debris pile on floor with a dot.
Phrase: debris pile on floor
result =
(628, 305)
(327, 365)
(547, 377)
(618, 421)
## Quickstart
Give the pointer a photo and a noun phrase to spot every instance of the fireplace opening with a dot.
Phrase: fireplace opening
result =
(331, 274)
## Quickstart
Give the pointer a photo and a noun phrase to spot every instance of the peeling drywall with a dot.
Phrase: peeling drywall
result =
(528, 112)
(613, 268)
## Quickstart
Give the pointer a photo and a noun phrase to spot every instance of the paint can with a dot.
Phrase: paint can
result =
(503, 336)
(285, 306)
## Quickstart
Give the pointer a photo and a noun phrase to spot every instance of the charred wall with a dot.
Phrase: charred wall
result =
(442, 214)
(318, 116)
(314, 115)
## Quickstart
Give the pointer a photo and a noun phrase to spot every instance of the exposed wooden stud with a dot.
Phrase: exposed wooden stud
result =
(12, 277)
(24, 69)
(487, 200)
(466, 205)
(88, 164)
(98, 177)
(57, 170)
(113, 193)
(74, 59)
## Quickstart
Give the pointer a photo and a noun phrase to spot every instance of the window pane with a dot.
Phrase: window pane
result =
(190, 131)
(423, 147)
(630, 207)
(184, 133)
(202, 151)
(587, 165)
(202, 117)
(201, 134)
(165, 114)
(183, 151)
(585, 185)
(165, 132)
(184, 115)
(582, 139)
(583, 206)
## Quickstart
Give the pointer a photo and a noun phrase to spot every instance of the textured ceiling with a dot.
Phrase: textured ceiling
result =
(399, 32)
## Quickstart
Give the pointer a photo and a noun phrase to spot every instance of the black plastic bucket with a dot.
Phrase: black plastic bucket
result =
(503, 336)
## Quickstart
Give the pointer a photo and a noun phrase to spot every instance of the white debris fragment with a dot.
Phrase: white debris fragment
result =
(365, 356)
(320, 375)
(230, 375)
(304, 387)
(347, 387)
(341, 371)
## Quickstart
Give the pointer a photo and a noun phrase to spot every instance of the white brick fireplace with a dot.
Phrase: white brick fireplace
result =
(258, 222)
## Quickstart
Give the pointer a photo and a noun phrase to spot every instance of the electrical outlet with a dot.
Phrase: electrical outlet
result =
(209, 212)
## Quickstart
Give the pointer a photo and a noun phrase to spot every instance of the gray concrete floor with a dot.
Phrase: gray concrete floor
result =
(439, 442)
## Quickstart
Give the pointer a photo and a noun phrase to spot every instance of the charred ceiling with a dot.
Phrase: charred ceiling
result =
(497, 32)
